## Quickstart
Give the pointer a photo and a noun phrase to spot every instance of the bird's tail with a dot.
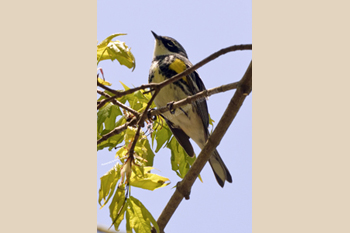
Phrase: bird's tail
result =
(219, 168)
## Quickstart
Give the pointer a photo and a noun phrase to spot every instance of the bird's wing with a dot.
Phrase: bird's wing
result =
(181, 137)
(201, 104)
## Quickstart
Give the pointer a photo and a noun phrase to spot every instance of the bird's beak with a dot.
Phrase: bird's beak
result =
(155, 35)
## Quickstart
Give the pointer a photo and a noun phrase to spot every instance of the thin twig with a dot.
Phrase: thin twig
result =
(140, 123)
(116, 102)
(184, 187)
(107, 88)
(117, 130)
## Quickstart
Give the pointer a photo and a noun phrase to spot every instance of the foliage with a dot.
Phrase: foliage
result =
(115, 50)
(135, 169)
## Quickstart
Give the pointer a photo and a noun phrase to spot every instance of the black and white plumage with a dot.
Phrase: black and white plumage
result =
(191, 120)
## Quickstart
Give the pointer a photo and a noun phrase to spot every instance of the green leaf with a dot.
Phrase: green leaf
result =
(177, 157)
(149, 155)
(107, 114)
(121, 99)
(144, 150)
(149, 180)
(114, 140)
(129, 135)
(110, 121)
(118, 207)
(108, 183)
(106, 117)
(111, 142)
(102, 115)
(138, 171)
(121, 152)
(115, 50)
(137, 100)
(139, 150)
(162, 136)
(139, 218)
(180, 161)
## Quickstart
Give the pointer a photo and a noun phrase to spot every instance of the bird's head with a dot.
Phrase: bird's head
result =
(166, 45)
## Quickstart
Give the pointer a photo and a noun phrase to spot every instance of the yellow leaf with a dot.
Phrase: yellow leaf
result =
(125, 86)
(149, 181)
(100, 80)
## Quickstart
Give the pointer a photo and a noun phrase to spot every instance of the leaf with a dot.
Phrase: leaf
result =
(140, 150)
(138, 171)
(139, 218)
(108, 183)
(190, 161)
(177, 158)
(109, 38)
(149, 155)
(129, 134)
(111, 142)
(128, 227)
(118, 205)
(114, 140)
(211, 122)
(125, 86)
(100, 80)
(180, 161)
(149, 180)
(121, 152)
(107, 114)
(162, 136)
(115, 50)
(102, 115)
(110, 121)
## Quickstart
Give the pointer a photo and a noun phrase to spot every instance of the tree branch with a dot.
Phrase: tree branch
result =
(178, 76)
(184, 187)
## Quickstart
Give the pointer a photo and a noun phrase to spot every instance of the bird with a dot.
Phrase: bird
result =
(191, 120)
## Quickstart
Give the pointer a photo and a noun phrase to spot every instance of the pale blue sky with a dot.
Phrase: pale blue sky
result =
(202, 27)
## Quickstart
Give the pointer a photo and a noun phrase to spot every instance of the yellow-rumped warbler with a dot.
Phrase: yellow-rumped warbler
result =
(191, 120)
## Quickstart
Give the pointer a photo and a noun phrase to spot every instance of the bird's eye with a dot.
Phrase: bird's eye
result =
(170, 44)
